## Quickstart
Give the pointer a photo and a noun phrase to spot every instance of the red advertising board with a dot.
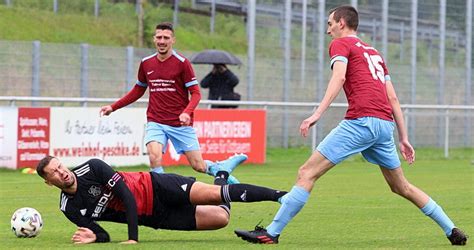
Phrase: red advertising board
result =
(33, 136)
(224, 132)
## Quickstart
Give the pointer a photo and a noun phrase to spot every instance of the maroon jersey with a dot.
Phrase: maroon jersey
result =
(168, 82)
(365, 78)
(140, 185)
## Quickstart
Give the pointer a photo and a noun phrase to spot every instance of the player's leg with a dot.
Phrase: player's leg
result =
(211, 168)
(384, 153)
(291, 203)
(188, 217)
(211, 217)
(227, 165)
(400, 185)
(155, 141)
(349, 137)
(196, 161)
(185, 141)
(155, 155)
(206, 194)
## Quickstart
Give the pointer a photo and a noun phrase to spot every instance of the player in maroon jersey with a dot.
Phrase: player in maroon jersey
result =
(174, 95)
(367, 128)
(93, 192)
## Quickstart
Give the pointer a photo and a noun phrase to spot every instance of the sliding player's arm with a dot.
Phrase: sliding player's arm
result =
(96, 234)
(114, 182)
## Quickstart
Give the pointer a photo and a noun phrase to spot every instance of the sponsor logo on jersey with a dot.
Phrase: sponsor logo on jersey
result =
(94, 191)
(106, 196)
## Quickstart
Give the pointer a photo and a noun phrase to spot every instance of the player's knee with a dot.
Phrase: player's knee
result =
(222, 219)
(304, 173)
(155, 159)
(402, 189)
(198, 165)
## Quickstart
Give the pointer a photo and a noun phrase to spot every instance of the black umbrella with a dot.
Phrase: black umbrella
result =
(213, 56)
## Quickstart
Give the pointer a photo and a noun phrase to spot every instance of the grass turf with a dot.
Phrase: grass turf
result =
(350, 207)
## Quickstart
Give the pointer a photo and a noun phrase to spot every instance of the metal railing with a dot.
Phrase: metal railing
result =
(444, 111)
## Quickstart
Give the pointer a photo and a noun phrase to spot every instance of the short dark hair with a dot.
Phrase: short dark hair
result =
(165, 26)
(349, 13)
(42, 164)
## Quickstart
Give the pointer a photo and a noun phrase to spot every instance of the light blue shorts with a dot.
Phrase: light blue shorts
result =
(369, 135)
(183, 138)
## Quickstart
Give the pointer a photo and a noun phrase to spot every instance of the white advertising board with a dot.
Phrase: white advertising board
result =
(8, 136)
(79, 134)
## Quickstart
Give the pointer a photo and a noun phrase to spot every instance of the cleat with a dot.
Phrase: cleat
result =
(457, 237)
(214, 167)
(259, 236)
(232, 162)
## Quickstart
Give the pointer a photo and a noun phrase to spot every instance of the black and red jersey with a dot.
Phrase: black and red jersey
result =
(106, 195)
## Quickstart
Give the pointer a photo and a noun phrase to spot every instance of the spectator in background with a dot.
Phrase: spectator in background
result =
(221, 82)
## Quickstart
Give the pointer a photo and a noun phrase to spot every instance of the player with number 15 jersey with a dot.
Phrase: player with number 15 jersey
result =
(365, 78)
(373, 113)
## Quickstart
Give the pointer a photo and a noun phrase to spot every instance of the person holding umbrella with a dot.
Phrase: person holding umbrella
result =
(221, 82)
(174, 95)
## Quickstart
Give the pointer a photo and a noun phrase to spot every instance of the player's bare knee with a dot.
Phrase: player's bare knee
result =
(198, 165)
(155, 159)
(402, 189)
(222, 218)
(305, 174)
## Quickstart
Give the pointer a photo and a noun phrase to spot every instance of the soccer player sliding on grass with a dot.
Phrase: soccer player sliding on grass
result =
(93, 191)
(367, 128)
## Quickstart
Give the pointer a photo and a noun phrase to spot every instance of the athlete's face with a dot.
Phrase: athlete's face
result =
(58, 175)
(334, 28)
(164, 40)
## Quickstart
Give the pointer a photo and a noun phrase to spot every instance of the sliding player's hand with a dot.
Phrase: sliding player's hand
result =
(106, 110)
(83, 235)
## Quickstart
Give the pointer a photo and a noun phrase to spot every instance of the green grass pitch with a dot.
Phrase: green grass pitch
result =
(350, 207)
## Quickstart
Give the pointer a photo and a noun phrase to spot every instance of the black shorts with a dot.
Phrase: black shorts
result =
(172, 208)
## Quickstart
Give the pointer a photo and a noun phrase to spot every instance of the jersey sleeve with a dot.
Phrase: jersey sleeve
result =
(74, 215)
(338, 51)
(189, 78)
(113, 181)
(194, 100)
(141, 76)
